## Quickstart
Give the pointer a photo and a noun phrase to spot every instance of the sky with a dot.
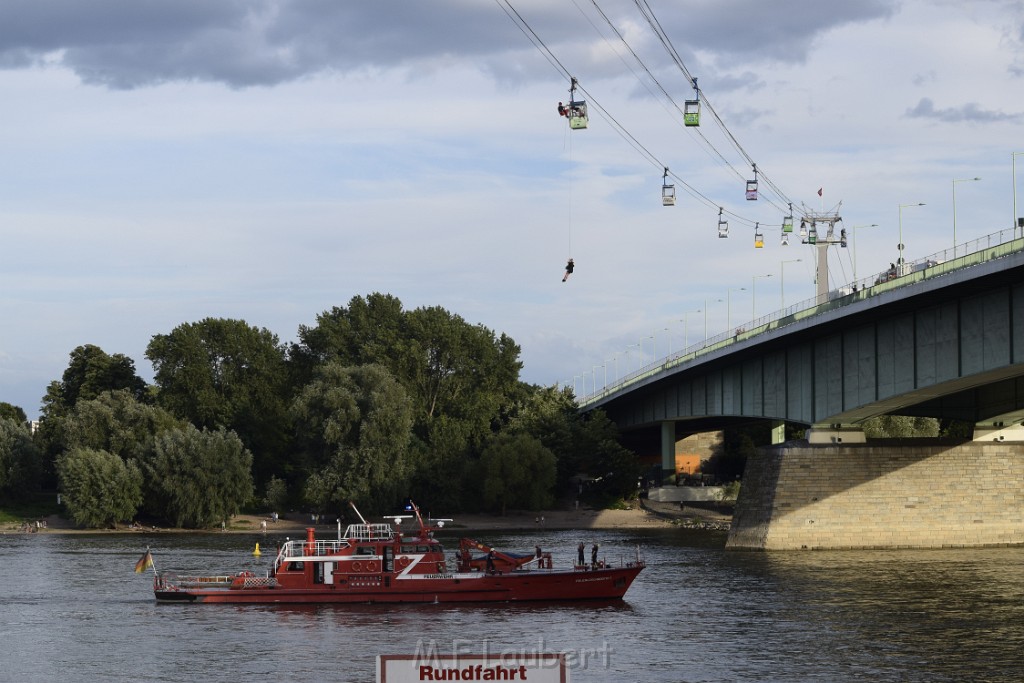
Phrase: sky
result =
(165, 161)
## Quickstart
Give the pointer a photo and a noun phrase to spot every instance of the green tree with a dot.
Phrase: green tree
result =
(517, 471)
(900, 426)
(368, 331)
(200, 477)
(20, 468)
(356, 423)
(99, 488)
(12, 412)
(227, 374)
(90, 372)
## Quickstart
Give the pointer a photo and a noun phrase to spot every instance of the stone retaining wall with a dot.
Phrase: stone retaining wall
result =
(881, 495)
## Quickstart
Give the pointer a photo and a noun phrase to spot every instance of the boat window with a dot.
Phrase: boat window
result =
(408, 549)
(296, 566)
(365, 550)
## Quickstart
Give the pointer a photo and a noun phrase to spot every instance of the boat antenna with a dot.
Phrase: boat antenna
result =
(358, 513)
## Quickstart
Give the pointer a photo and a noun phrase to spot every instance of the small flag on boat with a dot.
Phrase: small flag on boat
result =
(144, 563)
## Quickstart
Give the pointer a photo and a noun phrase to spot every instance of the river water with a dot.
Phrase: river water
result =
(72, 609)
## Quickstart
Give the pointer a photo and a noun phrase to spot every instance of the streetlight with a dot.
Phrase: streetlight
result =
(1013, 164)
(728, 306)
(961, 180)
(706, 319)
(753, 295)
(686, 339)
(899, 261)
(873, 225)
(782, 281)
(615, 377)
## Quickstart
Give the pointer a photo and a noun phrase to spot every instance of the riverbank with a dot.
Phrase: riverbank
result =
(647, 515)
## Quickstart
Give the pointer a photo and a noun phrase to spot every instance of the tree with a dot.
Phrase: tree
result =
(225, 374)
(20, 468)
(12, 412)
(99, 488)
(91, 372)
(369, 331)
(517, 471)
(357, 424)
(900, 426)
(200, 477)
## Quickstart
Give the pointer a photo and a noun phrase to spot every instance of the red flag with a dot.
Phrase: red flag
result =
(819, 191)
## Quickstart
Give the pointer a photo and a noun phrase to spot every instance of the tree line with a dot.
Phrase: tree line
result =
(372, 404)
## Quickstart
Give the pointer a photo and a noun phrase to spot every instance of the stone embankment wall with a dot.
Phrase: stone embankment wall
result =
(881, 495)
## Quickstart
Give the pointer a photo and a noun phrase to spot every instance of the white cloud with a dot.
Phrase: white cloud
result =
(269, 160)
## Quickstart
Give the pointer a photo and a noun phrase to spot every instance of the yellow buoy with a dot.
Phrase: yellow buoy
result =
(256, 553)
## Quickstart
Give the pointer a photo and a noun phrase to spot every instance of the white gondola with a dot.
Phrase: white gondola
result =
(668, 191)
(803, 229)
(752, 187)
(723, 225)
(785, 240)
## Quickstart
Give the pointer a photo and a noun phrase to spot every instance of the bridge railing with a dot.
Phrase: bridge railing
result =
(969, 254)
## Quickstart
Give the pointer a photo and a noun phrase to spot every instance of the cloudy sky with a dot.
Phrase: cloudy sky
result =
(162, 161)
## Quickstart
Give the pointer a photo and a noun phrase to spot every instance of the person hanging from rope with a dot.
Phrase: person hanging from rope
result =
(563, 110)
(568, 270)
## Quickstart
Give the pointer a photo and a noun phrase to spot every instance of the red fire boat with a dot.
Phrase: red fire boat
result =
(379, 563)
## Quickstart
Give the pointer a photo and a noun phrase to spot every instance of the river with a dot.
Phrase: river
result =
(72, 609)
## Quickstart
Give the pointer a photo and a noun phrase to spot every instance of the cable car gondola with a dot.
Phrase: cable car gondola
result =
(723, 225)
(752, 187)
(758, 237)
(812, 234)
(577, 110)
(668, 192)
(787, 221)
(691, 108)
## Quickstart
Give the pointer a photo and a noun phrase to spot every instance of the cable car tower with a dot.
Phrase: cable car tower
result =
(822, 234)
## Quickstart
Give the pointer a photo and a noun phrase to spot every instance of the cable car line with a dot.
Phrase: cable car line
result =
(540, 45)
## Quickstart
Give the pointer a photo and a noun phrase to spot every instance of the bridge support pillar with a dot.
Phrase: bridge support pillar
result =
(668, 448)
(925, 495)
(826, 434)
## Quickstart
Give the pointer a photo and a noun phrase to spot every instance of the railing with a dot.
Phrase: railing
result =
(973, 253)
(305, 549)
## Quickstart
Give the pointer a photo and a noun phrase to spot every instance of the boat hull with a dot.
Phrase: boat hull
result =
(597, 584)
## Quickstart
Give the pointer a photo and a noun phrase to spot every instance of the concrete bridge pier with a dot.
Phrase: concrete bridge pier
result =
(906, 493)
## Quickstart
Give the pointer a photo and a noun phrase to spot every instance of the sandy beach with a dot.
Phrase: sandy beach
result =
(648, 515)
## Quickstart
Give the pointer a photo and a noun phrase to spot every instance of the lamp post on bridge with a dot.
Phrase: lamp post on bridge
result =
(782, 281)
(728, 306)
(686, 340)
(873, 225)
(899, 260)
(961, 180)
(706, 318)
(1016, 218)
(753, 295)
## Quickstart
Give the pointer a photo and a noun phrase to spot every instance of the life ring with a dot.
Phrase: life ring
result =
(403, 562)
(371, 566)
(357, 567)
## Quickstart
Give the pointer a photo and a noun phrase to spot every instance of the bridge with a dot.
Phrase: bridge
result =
(940, 337)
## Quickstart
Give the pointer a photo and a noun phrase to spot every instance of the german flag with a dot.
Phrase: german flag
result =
(144, 563)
